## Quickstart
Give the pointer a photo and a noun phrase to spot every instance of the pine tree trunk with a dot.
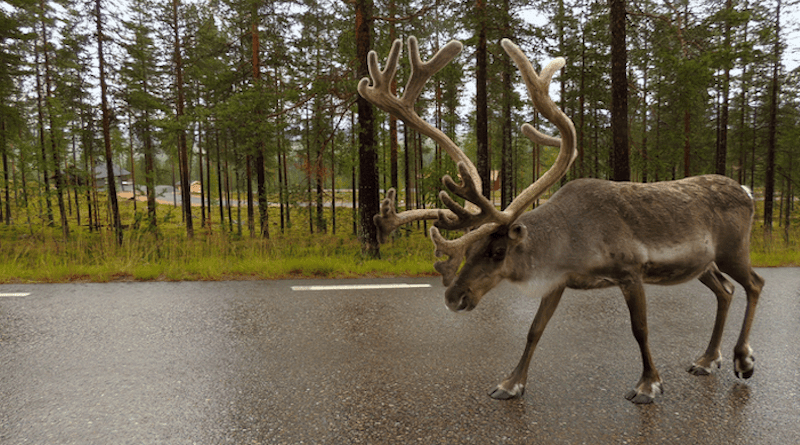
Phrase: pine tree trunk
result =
(183, 154)
(393, 142)
(368, 157)
(722, 145)
(4, 148)
(481, 102)
(57, 177)
(687, 144)
(507, 169)
(200, 172)
(149, 172)
(769, 171)
(111, 186)
(42, 145)
(260, 164)
(251, 224)
(619, 92)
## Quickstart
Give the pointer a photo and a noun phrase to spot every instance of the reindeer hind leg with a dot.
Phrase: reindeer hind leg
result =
(723, 289)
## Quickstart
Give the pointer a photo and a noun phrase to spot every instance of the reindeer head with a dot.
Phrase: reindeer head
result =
(489, 231)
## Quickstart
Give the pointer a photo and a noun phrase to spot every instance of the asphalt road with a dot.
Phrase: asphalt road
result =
(257, 362)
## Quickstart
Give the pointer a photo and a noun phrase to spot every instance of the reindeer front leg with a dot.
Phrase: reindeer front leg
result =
(650, 383)
(514, 385)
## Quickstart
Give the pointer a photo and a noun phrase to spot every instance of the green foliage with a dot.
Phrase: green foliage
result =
(293, 103)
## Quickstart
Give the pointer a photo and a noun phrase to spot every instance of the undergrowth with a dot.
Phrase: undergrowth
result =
(221, 253)
(211, 254)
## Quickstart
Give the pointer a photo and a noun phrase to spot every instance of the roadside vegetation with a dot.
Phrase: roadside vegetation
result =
(255, 102)
(42, 254)
(38, 253)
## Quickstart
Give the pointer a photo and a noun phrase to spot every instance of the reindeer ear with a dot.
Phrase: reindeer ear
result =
(517, 232)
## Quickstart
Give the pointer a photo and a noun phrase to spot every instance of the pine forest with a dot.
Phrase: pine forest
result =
(239, 120)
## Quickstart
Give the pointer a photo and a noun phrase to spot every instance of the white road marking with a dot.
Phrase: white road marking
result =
(360, 287)
(15, 294)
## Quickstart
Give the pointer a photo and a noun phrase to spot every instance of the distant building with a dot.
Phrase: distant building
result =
(495, 180)
(194, 186)
(120, 175)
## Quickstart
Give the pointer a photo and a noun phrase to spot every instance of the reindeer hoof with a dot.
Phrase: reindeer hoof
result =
(744, 367)
(501, 393)
(742, 371)
(701, 368)
(640, 396)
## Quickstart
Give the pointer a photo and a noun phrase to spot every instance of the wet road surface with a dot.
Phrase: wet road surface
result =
(257, 362)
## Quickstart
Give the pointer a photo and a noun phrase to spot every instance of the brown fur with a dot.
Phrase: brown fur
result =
(594, 233)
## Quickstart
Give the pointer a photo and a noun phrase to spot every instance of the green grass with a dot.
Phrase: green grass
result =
(38, 253)
(781, 248)
(207, 257)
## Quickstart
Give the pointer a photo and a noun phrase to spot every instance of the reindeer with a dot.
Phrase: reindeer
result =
(590, 234)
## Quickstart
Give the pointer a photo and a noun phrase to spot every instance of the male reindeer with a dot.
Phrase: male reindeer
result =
(590, 234)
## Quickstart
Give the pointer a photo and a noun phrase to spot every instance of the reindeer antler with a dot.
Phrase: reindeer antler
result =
(538, 90)
(490, 219)
(379, 94)
(479, 216)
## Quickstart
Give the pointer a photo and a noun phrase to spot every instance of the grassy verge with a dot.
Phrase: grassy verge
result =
(43, 255)
(781, 248)
(96, 257)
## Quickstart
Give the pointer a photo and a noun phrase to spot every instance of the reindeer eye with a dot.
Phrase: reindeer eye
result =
(499, 254)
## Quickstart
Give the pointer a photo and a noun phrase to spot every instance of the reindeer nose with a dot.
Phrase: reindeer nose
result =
(458, 301)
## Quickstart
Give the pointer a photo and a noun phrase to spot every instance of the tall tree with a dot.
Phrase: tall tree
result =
(774, 93)
(49, 99)
(368, 200)
(619, 92)
(481, 98)
(140, 74)
(259, 160)
(722, 144)
(183, 152)
(507, 159)
(40, 118)
(110, 180)
(394, 179)
(12, 37)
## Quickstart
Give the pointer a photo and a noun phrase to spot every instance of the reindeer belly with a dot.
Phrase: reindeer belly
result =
(655, 264)
(677, 271)
(678, 262)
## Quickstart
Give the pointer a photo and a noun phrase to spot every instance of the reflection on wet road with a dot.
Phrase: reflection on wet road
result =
(256, 362)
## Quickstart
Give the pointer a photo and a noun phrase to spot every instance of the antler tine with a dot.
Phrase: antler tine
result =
(422, 71)
(380, 95)
(538, 91)
(403, 108)
(382, 78)
(388, 220)
(469, 191)
(456, 249)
